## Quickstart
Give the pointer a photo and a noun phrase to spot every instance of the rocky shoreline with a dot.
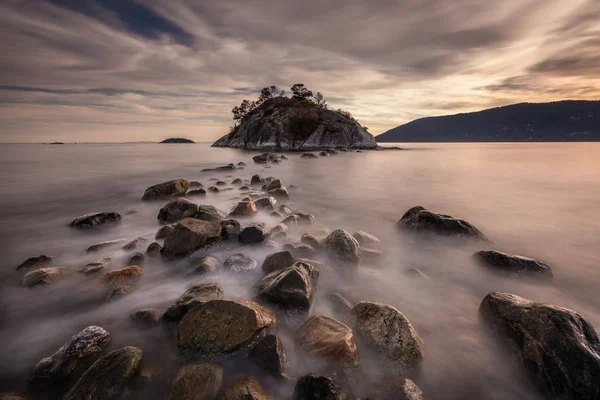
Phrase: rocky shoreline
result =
(558, 349)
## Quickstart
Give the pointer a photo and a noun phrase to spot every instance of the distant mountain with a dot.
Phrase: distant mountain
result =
(561, 121)
(177, 140)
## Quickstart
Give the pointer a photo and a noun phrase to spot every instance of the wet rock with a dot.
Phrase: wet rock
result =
(290, 220)
(273, 184)
(291, 288)
(305, 219)
(241, 164)
(308, 155)
(270, 355)
(94, 267)
(279, 228)
(266, 203)
(330, 341)
(104, 245)
(256, 180)
(189, 235)
(228, 167)
(193, 296)
(342, 248)
(119, 292)
(420, 219)
(42, 276)
(300, 250)
(136, 259)
(236, 181)
(146, 318)
(122, 274)
(221, 183)
(255, 233)
(205, 331)
(164, 231)
(82, 347)
(177, 209)
(240, 263)
(245, 389)
(513, 265)
(312, 241)
(176, 187)
(324, 154)
(196, 192)
(94, 219)
(312, 387)
(135, 243)
(339, 305)
(279, 193)
(108, 377)
(197, 382)
(244, 209)
(366, 239)
(277, 261)
(195, 184)
(244, 188)
(558, 348)
(230, 229)
(205, 264)
(264, 158)
(389, 333)
(153, 249)
(35, 262)
(276, 215)
(214, 189)
(210, 213)
(370, 255)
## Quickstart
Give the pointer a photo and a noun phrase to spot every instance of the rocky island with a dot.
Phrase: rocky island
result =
(300, 122)
(177, 140)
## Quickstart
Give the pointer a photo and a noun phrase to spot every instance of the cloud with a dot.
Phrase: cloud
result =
(183, 64)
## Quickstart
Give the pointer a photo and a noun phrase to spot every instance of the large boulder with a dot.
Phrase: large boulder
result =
(313, 387)
(94, 219)
(558, 348)
(197, 382)
(270, 355)
(176, 187)
(230, 229)
(256, 233)
(513, 265)
(240, 262)
(83, 346)
(289, 124)
(342, 248)
(277, 261)
(245, 388)
(189, 235)
(177, 209)
(330, 341)
(292, 287)
(244, 209)
(42, 276)
(420, 219)
(206, 330)
(108, 377)
(207, 212)
(193, 296)
(35, 262)
(389, 334)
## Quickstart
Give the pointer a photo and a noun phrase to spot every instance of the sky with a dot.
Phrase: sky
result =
(145, 70)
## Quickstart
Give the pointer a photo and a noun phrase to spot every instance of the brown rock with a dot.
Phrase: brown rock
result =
(189, 235)
(122, 274)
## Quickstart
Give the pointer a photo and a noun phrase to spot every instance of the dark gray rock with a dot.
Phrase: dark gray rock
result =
(558, 348)
(146, 318)
(256, 233)
(108, 377)
(228, 167)
(197, 382)
(176, 187)
(265, 158)
(82, 347)
(342, 248)
(313, 387)
(513, 265)
(104, 245)
(135, 243)
(420, 219)
(94, 219)
(308, 155)
(230, 229)
(153, 249)
(205, 264)
(189, 235)
(164, 231)
(279, 193)
(291, 288)
(270, 355)
(221, 183)
(135, 259)
(240, 263)
(196, 193)
(35, 262)
(210, 213)
(236, 181)
(256, 180)
(193, 296)
(273, 184)
(277, 261)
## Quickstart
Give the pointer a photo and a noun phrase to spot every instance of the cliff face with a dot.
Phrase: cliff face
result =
(287, 124)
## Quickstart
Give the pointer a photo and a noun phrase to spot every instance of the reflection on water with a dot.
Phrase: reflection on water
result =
(539, 200)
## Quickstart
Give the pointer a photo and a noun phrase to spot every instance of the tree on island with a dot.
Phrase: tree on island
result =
(301, 92)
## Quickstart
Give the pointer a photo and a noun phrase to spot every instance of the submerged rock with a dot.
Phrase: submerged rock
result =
(104, 245)
(313, 387)
(205, 331)
(279, 193)
(300, 250)
(119, 292)
(270, 355)
(95, 266)
(193, 296)
(176, 187)
(230, 229)
(292, 287)
(256, 180)
(308, 155)
(83, 346)
(189, 235)
(366, 239)
(370, 255)
(513, 265)
(164, 231)
(277, 261)
(240, 263)
(210, 213)
(108, 377)
(265, 158)
(135, 259)
(558, 348)
(135, 243)
(330, 341)
(244, 209)
(389, 333)
(177, 209)
(42, 276)
(146, 317)
(94, 219)
(35, 262)
(122, 274)
(153, 249)
(339, 305)
(245, 388)
(205, 264)
(342, 248)
(196, 193)
(266, 203)
(312, 241)
(256, 233)
(197, 382)
(420, 219)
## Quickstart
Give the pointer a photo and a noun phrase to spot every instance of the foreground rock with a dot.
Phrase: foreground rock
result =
(291, 288)
(81, 347)
(240, 263)
(164, 231)
(312, 387)
(177, 209)
(108, 377)
(195, 295)
(94, 219)
(42, 276)
(514, 265)
(205, 331)
(558, 348)
(246, 388)
(197, 382)
(389, 334)
(342, 248)
(230, 229)
(176, 187)
(330, 341)
(277, 261)
(256, 233)
(35, 262)
(270, 355)
(189, 235)
(210, 213)
(420, 219)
